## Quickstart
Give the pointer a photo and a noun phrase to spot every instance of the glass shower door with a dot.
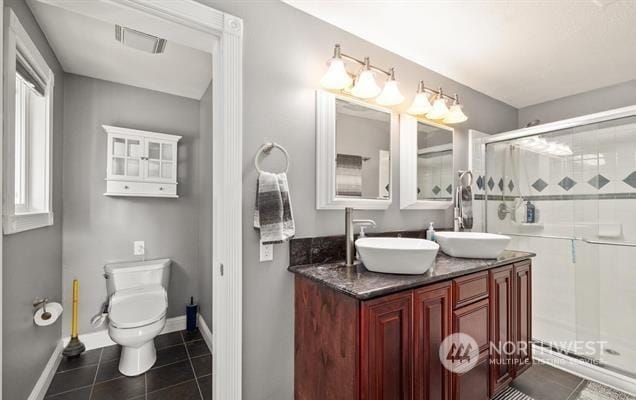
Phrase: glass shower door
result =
(582, 183)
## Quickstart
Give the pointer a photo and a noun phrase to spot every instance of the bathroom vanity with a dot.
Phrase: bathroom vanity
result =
(366, 335)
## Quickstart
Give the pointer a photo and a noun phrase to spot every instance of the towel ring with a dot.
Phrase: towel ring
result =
(267, 148)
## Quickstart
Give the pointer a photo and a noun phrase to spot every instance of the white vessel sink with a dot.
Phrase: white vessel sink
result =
(472, 244)
(397, 255)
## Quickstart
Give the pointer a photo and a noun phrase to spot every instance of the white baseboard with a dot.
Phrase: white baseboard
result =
(42, 385)
(585, 370)
(98, 339)
(206, 333)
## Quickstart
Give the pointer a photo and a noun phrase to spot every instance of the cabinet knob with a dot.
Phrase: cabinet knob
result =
(126, 187)
(161, 188)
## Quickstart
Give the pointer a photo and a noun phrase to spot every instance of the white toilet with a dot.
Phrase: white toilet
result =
(138, 302)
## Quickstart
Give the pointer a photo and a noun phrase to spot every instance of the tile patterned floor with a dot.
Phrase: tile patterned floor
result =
(543, 382)
(183, 371)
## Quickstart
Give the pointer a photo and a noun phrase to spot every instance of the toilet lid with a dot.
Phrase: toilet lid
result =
(136, 307)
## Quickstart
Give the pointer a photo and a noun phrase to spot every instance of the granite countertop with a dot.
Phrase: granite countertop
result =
(363, 284)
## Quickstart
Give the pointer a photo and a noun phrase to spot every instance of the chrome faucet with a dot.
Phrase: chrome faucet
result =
(350, 234)
(458, 217)
(349, 246)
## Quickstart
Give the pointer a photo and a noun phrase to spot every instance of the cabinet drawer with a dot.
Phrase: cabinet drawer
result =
(147, 189)
(469, 289)
(473, 320)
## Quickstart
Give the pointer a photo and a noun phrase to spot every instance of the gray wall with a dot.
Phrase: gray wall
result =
(285, 52)
(621, 95)
(100, 229)
(205, 207)
(32, 260)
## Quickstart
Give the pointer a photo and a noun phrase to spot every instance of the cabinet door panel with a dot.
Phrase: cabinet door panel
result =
(523, 316)
(432, 323)
(501, 327)
(387, 351)
(473, 385)
(473, 320)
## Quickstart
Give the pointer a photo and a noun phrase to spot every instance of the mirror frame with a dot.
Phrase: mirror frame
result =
(408, 166)
(326, 198)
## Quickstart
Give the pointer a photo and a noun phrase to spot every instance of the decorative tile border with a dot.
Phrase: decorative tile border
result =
(596, 182)
(552, 197)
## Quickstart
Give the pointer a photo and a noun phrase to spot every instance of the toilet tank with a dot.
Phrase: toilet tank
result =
(126, 275)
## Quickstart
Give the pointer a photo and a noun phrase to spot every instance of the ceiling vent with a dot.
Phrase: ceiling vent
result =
(139, 40)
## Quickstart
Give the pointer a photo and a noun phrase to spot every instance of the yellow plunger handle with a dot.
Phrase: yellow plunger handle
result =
(75, 301)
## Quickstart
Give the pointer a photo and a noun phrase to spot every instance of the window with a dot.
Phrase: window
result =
(28, 111)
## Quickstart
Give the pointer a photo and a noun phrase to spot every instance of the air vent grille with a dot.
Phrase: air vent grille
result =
(139, 40)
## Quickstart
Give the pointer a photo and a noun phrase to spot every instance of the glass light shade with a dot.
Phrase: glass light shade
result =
(336, 77)
(439, 110)
(455, 115)
(421, 104)
(366, 87)
(390, 95)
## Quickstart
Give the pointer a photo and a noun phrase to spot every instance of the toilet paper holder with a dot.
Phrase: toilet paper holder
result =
(40, 302)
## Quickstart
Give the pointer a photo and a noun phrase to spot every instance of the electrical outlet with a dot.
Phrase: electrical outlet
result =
(267, 252)
(139, 248)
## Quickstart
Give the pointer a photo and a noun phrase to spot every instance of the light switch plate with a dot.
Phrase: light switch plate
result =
(139, 248)
(267, 252)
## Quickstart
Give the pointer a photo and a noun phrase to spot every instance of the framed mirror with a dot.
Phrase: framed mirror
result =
(426, 164)
(353, 153)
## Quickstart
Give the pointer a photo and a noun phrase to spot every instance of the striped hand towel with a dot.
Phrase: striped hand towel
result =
(348, 175)
(273, 211)
(467, 207)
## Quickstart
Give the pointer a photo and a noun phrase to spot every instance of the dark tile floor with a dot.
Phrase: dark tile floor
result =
(543, 382)
(183, 371)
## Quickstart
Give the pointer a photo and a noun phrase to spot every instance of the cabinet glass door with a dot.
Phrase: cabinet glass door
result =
(126, 156)
(161, 161)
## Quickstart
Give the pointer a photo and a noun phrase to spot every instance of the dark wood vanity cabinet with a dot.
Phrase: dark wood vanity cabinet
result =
(386, 343)
(387, 348)
(432, 322)
(510, 323)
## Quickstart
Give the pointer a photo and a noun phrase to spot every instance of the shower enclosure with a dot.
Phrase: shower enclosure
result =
(579, 178)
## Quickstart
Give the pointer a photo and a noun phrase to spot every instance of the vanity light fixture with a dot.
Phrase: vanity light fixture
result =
(336, 77)
(421, 104)
(390, 95)
(440, 109)
(364, 85)
(455, 114)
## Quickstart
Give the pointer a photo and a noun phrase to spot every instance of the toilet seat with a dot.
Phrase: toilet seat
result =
(137, 307)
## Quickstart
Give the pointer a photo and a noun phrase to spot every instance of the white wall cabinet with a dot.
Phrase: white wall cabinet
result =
(141, 163)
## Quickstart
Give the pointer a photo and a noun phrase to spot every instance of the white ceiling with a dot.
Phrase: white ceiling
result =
(520, 52)
(87, 46)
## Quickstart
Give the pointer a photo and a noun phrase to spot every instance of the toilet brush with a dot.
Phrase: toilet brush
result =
(74, 347)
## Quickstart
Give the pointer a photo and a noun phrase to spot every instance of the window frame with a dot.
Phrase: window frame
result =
(19, 44)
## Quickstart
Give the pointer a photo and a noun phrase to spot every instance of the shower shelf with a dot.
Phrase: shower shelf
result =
(537, 225)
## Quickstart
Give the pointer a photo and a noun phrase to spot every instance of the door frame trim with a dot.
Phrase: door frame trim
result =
(227, 138)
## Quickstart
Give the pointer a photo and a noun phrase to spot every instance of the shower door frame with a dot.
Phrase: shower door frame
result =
(226, 32)
(574, 365)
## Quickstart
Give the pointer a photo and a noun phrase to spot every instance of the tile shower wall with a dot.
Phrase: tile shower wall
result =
(581, 291)
(434, 176)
